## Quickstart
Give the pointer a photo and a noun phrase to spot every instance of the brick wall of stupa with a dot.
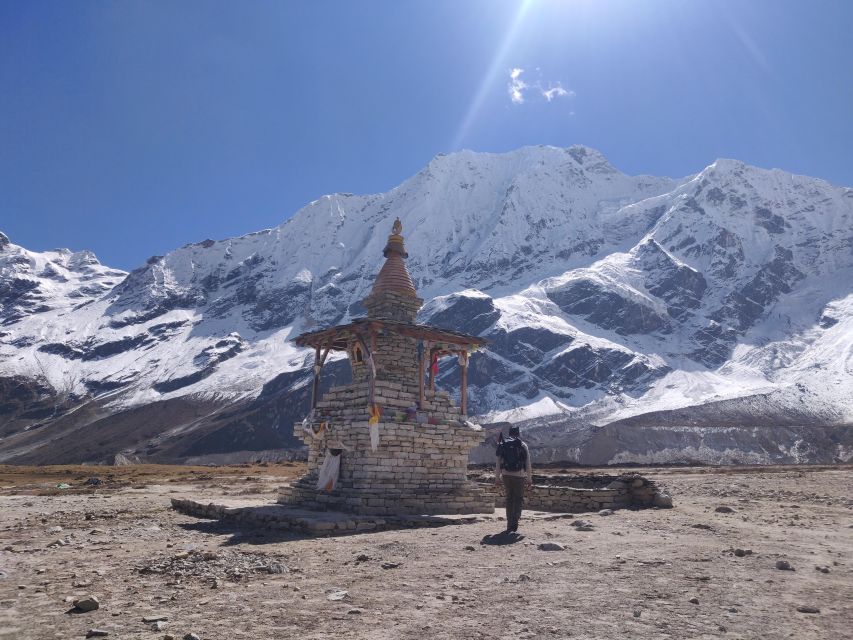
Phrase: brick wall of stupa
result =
(416, 468)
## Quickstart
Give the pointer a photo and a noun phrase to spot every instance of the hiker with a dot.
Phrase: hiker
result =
(513, 466)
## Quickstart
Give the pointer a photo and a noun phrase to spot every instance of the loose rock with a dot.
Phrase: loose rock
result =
(156, 618)
(606, 512)
(97, 633)
(662, 501)
(807, 609)
(551, 546)
(89, 603)
(208, 566)
(724, 509)
(784, 565)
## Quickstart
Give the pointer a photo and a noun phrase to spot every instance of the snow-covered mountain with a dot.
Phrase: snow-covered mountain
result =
(606, 298)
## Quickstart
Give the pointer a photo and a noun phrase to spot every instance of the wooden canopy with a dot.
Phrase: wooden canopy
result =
(438, 342)
(339, 337)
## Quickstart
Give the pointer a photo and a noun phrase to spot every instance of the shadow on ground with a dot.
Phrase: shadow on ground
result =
(502, 538)
(243, 535)
(256, 533)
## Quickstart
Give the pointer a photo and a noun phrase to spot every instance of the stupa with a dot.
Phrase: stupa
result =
(389, 442)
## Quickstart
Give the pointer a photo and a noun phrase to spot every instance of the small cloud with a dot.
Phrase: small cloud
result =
(516, 86)
(556, 91)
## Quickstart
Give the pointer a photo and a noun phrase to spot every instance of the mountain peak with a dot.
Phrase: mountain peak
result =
(82, 259)
(727, 165)
(582, 153)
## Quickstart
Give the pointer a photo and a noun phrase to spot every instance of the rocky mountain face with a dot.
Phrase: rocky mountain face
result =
(723, 299)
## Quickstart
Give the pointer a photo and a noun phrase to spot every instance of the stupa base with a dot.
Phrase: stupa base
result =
(467, 498)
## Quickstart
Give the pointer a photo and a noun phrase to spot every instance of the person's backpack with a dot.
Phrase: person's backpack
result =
(513, 455)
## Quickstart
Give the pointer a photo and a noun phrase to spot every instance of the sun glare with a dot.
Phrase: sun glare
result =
(495, 69)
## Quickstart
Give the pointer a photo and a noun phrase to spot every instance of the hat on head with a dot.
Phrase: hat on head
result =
(514, 432)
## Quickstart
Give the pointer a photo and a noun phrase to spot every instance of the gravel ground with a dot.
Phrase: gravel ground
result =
(687, 572)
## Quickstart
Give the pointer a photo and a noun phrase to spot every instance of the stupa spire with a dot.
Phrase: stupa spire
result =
(394, 276)
(393, 295)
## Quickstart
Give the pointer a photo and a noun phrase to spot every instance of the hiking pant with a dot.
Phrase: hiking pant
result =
(514, 491)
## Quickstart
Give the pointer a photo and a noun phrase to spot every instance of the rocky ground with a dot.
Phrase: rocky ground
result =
(712, 567)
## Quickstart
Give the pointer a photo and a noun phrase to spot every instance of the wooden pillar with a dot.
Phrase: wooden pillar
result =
(371, 337)
(464, 391)
(424, 356)
(315, 389)
(319, 361)
(431, 374)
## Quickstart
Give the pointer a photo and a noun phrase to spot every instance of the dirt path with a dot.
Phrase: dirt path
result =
(633, 575)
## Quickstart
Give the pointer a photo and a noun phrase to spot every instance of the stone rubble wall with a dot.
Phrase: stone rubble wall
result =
(558, 494)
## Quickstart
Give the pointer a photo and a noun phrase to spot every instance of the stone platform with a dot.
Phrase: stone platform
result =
(264, 515)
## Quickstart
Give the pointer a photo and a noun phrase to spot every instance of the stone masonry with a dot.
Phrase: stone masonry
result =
(418, 469)
(580, 494)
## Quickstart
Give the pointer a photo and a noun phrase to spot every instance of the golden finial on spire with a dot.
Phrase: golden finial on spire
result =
(397, 229)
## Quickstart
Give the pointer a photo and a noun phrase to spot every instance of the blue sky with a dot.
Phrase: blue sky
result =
(131, 128)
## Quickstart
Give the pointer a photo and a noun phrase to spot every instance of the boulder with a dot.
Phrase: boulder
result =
(89, 603)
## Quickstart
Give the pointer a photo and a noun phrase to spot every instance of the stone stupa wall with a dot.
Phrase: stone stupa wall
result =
(417, 468)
